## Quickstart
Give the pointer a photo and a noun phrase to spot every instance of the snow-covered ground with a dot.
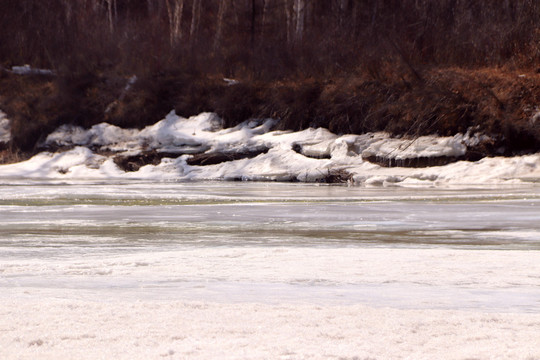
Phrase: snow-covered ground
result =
(60, 329)
(308, 156)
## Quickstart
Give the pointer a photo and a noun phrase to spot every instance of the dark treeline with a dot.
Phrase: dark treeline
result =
(409, 67)
(268, 38)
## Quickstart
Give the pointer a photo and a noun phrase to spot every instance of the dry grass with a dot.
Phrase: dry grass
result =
(493, 101)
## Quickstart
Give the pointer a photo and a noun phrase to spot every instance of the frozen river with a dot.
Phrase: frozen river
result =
(248, 253)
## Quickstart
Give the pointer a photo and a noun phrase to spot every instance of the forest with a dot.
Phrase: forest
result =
(409, 67)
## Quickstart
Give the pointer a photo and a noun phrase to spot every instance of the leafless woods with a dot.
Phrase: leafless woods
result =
(270, 38)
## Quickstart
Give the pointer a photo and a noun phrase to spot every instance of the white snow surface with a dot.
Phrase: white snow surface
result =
(5, 128)
(60, 329)
(322, 153)
(237, 303)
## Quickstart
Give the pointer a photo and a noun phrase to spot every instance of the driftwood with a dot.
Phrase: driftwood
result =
(339, 176)
(135, 162)
(153, 157)
(218, 157)
(422, 161)
(298, 148)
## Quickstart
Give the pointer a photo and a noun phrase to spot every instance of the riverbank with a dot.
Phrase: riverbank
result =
(201, 148)
(499, 103)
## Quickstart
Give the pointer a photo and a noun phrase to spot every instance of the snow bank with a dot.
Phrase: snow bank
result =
(172, 134)
(424, 146)
(310, 155)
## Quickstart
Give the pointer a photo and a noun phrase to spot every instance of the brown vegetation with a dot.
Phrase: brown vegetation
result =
(410, 67)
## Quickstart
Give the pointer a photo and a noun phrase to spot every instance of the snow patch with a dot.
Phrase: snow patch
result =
(28, 70)
(535, 119)
(5, 128)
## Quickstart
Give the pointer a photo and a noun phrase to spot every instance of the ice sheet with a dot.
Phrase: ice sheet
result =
(202, 270)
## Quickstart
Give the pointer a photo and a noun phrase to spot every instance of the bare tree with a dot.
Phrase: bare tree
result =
(195, 19)
(264, 19)
(111, 13)
(253, 19)
(223, 5)
(175, 20)
(299, 12)
(295, 20)
(342, 11)
(289, 20)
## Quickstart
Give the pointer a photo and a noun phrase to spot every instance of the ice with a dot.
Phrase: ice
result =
(310, 155)
(374, 276)
(266, 302)
(205, 270)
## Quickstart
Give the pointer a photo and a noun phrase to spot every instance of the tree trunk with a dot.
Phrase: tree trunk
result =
(175, 20)
(264, 18)
(342, 11)
(178, 10)
(110, 15)
(223, 5)
(253, 18)
(289, 18)
(68, 10)
(195, 19)
(299, 12)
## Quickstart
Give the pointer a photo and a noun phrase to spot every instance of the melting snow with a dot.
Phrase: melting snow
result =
(308, 155)
(28, 70)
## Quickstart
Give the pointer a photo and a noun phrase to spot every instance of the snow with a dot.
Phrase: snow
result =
(231, 303)
(247, 272)
(308, 155)
(5, 128)
(534, 119)
(60, 329)
(206, 270)
(231, 82)
(424, 146)
(254, 302)
(78, 162)
(28, 70)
